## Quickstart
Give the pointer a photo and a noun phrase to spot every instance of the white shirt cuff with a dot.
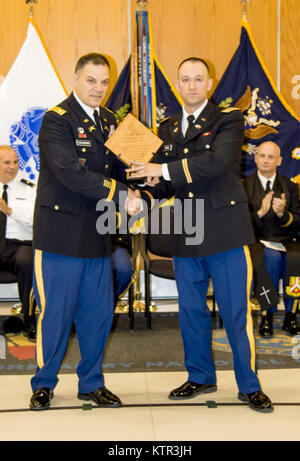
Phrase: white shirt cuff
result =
(165, 172)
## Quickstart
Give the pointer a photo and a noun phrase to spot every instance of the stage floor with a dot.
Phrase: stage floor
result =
(148, 414)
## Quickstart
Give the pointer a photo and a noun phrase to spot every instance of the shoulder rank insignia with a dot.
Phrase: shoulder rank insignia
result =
(58, 110)
(229, 109)
(28, 183)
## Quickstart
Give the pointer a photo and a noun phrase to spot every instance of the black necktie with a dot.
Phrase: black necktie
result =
(268, 186)
(190, 119)
(3, 219)
(97, 120)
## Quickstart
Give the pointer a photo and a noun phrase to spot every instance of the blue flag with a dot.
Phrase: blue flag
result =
(247, 84)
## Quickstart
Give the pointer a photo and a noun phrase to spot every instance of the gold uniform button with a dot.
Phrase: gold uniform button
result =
(185, 151)
(84, 149)
(191, 195)
(166, 154)
(107, 152)
(106, 166)
(207, 146)
(56, 207)
(232, 202)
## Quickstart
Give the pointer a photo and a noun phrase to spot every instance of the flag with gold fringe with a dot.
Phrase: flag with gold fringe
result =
(248, 85)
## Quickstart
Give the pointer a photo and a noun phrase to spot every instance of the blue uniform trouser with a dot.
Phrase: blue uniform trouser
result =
(68, 290)
(122, 271)
(231, 274)
(275, 262)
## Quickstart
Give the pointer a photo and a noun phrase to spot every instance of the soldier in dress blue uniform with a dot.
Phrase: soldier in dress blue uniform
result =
(275, 211)
(200, 159)
(72, 261)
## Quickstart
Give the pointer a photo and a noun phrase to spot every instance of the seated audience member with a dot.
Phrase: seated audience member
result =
(275, 210)
(16, 218)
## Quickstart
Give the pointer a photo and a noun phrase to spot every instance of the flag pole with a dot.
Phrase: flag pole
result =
(244, 2)
(30, 2)
(138, 239)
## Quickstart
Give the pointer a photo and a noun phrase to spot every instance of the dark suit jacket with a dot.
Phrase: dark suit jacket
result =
(206, 165)
(76, 170)
(270, 227)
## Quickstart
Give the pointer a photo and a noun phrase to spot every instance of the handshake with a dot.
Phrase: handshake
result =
(133, 203)
(151, 172)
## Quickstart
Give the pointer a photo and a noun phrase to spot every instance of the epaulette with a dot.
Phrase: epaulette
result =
(164, 119)
(229, 109)
(58, 110)
(25, 181)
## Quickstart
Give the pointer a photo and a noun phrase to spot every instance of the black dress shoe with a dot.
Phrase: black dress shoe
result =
(266, 326)
(30, 332)
(40, 399)
(257, 401)
(103, 398)
(189, 389)
(291, 324)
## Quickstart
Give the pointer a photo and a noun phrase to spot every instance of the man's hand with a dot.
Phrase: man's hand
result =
(265, 204)
(5, 208)
(144, 170)
(279, 205)
(133, 202)
(152, 181)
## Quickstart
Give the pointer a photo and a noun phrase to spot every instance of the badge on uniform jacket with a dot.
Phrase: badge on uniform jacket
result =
(111, 130)
(83, 142)
(82, 161)
(167, 148)
(81, 133)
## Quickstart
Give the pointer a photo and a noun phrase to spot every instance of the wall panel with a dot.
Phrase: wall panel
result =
(207, 28)
(210, 29)
(69, 28)
(290, 53)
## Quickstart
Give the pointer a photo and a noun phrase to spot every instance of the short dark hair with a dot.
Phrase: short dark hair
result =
(95, 58)
(195, 59)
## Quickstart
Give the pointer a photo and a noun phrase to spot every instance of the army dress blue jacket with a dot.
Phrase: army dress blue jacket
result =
(206, 165)
(76, 170)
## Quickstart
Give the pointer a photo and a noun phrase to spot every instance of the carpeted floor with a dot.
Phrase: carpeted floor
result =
(159, 349)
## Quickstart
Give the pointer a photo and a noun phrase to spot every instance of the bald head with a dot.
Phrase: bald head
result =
(268, 158)
(9, 165)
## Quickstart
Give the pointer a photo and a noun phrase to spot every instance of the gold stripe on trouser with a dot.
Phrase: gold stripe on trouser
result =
(40, 287)
(295, 306)
(249, 323)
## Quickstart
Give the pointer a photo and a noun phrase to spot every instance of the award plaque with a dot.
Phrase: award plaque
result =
(133, 142)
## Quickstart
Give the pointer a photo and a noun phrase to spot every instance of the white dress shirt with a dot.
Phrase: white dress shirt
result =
(87, 109)
(21, 199)
(184, 127)
(264, 180)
